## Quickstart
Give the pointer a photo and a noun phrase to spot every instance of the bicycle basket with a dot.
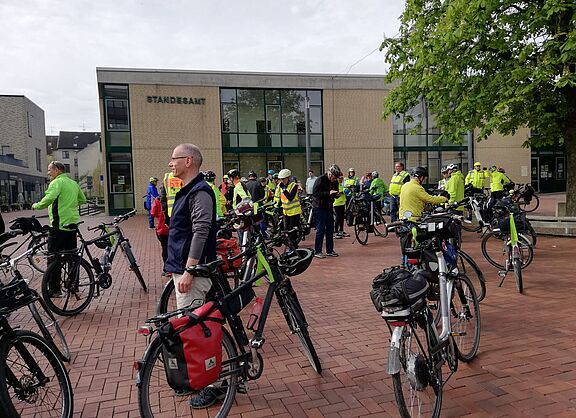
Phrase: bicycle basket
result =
(15, 295)
(297, 262)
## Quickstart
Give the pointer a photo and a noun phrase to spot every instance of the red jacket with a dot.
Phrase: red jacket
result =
(156, 211)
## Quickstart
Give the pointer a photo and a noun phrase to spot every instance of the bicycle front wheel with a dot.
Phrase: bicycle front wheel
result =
(361, 232)
(517, 265)
(33, 380)
(68, 285)
(134, 264)
(468, 266)
(418, 384)
(529, 206)
(50, 328)
(38, 258)
(156, 398)
(495, 249)
(465, 318)
(380, 228)
(167, 302)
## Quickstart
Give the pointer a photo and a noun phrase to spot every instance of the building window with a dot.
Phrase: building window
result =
(38, 159)
(66, 168)
(117, 115)
(29, 117)
(75, 162)
(65, 155)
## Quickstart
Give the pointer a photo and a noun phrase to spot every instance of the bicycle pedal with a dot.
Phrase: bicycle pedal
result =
(502, 273)
(242, 387)
(458, 334)
(257, 343)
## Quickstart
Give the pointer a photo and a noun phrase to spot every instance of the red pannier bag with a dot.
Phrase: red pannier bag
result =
(228, 248)
(192, 348)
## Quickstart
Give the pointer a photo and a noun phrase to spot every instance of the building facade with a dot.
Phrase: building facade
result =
(257, 121)
(23, 161)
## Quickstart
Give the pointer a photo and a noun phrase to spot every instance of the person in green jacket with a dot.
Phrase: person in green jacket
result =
(377, 190)
(62, 198)
(498, 179)
(413, 197)
(455, 185)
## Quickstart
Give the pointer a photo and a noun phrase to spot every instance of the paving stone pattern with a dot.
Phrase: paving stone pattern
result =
(525, 366)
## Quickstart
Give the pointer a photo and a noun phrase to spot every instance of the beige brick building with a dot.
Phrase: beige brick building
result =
(257, 121)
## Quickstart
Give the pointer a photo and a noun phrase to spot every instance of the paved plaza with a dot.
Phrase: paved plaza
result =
(525, 365)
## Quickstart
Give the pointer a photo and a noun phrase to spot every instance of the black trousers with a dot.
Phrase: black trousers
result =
(164, 243)
(339, 221)
(59, 240)
(289, 223)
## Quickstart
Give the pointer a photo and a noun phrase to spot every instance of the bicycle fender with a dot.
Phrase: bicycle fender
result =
(394, 354)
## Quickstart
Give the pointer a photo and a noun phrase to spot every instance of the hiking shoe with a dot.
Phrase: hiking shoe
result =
(332, 254)
(319, 255)
(207, 397)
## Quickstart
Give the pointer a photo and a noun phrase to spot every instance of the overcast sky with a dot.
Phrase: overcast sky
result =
(49, 49)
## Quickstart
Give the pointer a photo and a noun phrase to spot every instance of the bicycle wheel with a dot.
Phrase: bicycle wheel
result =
(76, 282)
(529, 206)
(516, 265)
(494, 249)
(38, 258)
(297, 323)
(380, 228)
(23, 391)
(127, 249)
(418, 384)
(167, 302)
(50, 328)
(157, 398)
(361, 231)
(465, 318)
(474, 226)
(468, 266)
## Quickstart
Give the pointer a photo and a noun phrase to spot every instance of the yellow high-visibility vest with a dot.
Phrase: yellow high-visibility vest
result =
(397, 182)
(172, 185)
(290, 207)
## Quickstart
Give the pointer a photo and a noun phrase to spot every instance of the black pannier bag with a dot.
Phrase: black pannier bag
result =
(396, 287)
(27, 225)
(192, 348)
(519, 220)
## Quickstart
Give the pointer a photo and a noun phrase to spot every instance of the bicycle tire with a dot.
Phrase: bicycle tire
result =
(518, 274)
(531, 233)
(127, 249)
(50, 329)
(297, 323)
(529, 206)
(57, 389)
(468, 266)
(38, 259)
(361, 233)
(494, 249)
(465, 312)
(425, 394)
(72, 265)
(380, 228)
(167, 301)
(155, 396)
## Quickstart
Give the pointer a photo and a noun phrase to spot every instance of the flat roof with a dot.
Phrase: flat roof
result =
(241, 79)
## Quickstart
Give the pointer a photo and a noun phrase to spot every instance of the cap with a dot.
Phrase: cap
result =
(477, 164)
(284, 173)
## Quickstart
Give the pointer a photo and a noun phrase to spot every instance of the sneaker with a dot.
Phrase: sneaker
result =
(183, 392)
(319, 255)
(345, 234)
(207, 397)
(338, 236)
(332, 254)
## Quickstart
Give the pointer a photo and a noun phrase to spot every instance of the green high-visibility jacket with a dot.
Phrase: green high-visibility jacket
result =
(62, 198)
(455, 187)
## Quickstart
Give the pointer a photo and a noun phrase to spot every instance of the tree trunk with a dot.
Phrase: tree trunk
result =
(570, 141)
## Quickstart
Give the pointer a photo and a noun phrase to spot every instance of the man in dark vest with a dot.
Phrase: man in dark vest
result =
(192, 238)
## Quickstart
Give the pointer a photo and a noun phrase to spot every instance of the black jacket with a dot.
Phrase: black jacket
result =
(321, 192)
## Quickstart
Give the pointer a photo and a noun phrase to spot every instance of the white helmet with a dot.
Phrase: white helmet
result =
(284, 173)
(452, 167)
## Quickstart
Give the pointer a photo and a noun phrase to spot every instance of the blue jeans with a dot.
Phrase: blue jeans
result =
(324, 226)
(394, 206)
(150, 220)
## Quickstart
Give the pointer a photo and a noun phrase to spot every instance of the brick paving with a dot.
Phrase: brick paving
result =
(525, 366)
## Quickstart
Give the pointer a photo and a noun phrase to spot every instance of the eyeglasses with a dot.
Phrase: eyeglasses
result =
(177, 158)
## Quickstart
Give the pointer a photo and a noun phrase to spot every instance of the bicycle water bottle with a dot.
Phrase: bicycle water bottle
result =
(254, 319)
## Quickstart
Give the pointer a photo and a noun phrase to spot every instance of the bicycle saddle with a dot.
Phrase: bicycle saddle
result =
(205, 270)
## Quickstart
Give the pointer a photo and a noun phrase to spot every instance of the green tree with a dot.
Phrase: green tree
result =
(491, 65)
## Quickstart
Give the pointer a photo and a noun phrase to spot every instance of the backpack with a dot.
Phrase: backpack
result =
(192, 348)
(396, 287)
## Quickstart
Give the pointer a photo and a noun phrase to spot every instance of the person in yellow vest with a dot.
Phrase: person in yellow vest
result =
(413, 197)
(270, 183)
(339, 209)
(351, 182)
(477, 178)
(210, 176)
(288, 193)
(399, 178)
(240, 191)
(498, 179)
(171, 186)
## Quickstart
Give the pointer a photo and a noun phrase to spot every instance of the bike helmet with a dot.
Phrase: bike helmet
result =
(233, 174)
(296, 262)
(452, 166)
(262, 179)
(351, 170)
(375, 174)
(252, 174)
(444, 169)
(275, 176)
(271, 172)
(284, 173)
(210, 175)
(335, 171)
(419, 172)
(153, 179)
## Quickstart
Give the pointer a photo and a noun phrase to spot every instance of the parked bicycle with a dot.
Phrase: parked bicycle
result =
(33, 379)
(526, 198)
(367, 217)
(241, 360)
(418, 351)
(36, 239)
(75, 274)
(47, 324)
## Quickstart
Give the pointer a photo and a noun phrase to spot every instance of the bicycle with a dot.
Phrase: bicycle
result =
(417, 351)
(525, 196)
(367, 218)
(242, 361)
(47, 324)
(36, 240)
(33, 379)
(77, 274)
